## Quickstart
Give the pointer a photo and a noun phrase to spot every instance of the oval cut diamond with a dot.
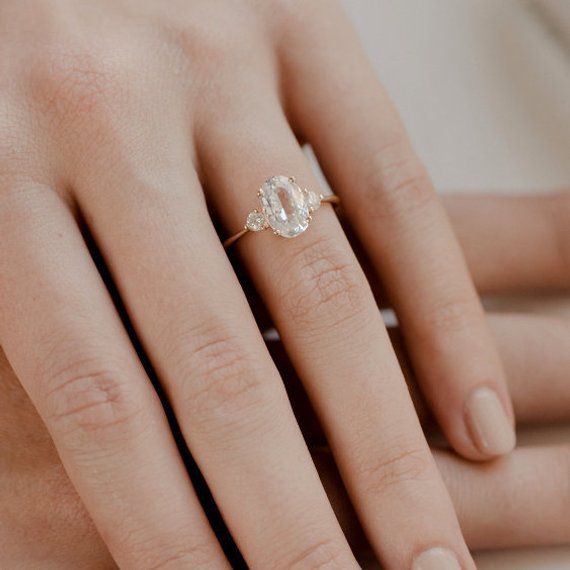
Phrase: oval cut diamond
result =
(285, 206)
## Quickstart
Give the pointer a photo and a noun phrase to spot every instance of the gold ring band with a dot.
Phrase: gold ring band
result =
(285, 208)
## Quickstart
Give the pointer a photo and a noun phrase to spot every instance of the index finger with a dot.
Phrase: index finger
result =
(66, 343)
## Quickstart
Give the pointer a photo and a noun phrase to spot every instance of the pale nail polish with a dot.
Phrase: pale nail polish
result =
(490, 427)
(436, 559)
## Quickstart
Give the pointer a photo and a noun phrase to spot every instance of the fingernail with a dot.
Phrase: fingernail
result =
(490, 427)
(436, 559)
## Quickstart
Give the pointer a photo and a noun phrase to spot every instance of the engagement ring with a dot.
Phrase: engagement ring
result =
(285, 208)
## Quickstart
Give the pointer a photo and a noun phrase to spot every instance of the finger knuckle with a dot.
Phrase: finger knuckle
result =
(218, 377)
(90, 397)
(320, 555)
(294, 13)
(398, 466)
(76, 84)
(197, 555)
(220, 43)
(325, 287)
(449, 318)
(287, 11)
(397, 183)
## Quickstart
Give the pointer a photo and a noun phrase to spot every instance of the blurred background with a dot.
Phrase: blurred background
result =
(484, 88)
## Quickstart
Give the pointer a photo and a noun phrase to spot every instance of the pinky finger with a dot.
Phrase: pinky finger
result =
(390, 202)
(514, 243)
(518, 500)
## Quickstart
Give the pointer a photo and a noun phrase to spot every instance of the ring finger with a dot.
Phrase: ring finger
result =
(322, 305)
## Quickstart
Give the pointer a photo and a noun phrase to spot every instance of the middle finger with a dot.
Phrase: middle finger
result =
(195, 324)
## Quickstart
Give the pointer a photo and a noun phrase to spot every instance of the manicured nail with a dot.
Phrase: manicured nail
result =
(436, 559)
(490, 427)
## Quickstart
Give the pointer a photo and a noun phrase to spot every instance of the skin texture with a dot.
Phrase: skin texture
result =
(44, 523)
(125, 125)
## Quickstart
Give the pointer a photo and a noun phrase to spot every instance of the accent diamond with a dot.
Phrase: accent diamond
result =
(313, 200)
(255, 221)
(284, 206)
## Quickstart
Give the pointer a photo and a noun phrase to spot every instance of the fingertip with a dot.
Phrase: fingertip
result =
(488, 423)
(437, 558)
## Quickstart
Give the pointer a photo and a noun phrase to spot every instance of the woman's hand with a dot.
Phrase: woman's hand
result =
(119, 117)
(45, 525)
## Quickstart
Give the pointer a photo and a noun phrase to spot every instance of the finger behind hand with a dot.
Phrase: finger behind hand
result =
(519, 500)
(536, 353)
(514, 243)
